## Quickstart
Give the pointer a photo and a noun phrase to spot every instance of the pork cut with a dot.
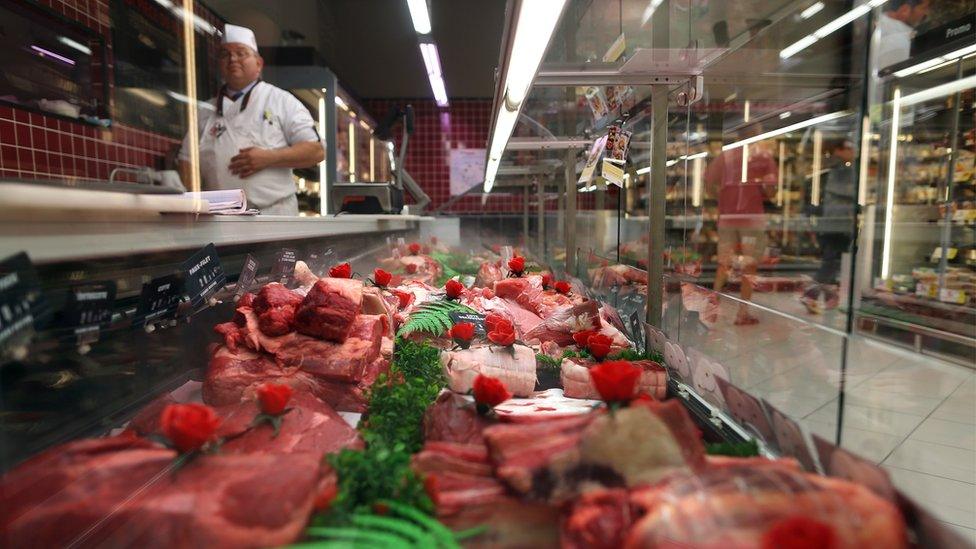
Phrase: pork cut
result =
(736, 506)
(275, 307)
(453, 418)
(543, 406)
(557, 460)
(514, 366)
(488, 273)
(575, 376)
(560, 326)
(124, 492)
(329, 309)
(598, 520)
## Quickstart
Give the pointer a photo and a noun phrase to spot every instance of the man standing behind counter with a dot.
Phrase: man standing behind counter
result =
(256, 133)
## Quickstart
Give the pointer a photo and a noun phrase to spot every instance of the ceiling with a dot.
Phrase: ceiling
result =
(371, 44)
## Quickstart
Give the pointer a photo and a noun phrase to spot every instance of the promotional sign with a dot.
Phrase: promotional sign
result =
(613, 172)
(466, 169)
(618, 143)
(20, 294)
(597, 101)
(248, 272)
(591, 159)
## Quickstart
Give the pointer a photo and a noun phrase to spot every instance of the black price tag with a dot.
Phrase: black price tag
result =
(20, 294)
(202, 274)
(284, 267)
(248, 272)
(474, 318)
(160, 298)
(89, 309)
(637, 330)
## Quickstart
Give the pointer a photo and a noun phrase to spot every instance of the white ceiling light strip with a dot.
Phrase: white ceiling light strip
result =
(931, 64)
(534, 27)
(420, 16)
(828, 29)
(787, 129)
(432, 61)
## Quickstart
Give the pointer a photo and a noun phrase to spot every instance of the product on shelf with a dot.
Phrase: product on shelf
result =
(515, 366)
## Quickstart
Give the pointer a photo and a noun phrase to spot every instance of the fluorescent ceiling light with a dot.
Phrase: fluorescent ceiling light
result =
(534, 26)
(936, 92)
(645, 169)
(828, 29)
(932, 64)
(433, 62)
(812, 10)
(48, 53)
(76, 45)
(785, 115)
(180, 97)
(652, 6)
(342, 104)
(198, 21)
(787, 129)
(890, 191)
(420, 16)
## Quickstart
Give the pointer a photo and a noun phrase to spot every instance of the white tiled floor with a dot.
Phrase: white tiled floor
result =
(913, 414)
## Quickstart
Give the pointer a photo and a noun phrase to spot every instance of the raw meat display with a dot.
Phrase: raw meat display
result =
(575, 376)
(514, 366)
(329, 309)
(275, 307)
(543, 406)
(562, 323)
(452, 418)
(527, 291)
(488, 274)
(125, 492)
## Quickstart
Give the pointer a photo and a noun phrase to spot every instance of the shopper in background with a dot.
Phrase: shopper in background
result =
(741, 191)
(838, 204)
(255, 134)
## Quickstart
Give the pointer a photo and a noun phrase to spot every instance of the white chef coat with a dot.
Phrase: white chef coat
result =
(265, 116)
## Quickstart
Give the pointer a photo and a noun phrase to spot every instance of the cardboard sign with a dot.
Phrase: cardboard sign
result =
(202, 274)
(597, 101)
(474, 318)
(248, 272)
(284, 266)
(591, 160)
(747, 411)
(20, 295)
(613, 172)
(790, 440)
(841, 463)
(159, 299)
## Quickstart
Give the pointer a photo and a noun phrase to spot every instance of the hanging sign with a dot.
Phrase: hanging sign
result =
(618, 143)
(613, 172)
(202, 274)
(591, 159)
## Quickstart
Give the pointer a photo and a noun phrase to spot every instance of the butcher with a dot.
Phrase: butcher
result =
(254, 134)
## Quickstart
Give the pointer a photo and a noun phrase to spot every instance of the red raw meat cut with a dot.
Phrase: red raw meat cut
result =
(556, 460)
(543, 406)
(453, 418)
(575, 376)
(330, 307)
(527, 291)
(598, 520)
(514, 366)
(735, 508)
(488, 273)
(560, 326)
(344, 361)
(123, 492)
(233, 376)
(425, 269)
(275, 308)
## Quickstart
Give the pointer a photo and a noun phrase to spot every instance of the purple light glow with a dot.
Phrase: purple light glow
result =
(47, 53)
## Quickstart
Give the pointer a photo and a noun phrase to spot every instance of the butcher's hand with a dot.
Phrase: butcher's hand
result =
(250, 160)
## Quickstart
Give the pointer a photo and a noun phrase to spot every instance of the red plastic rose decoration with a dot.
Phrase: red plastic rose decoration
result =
(516, 265)
(411, 268)
(800, 533)
(404, 298)
(325, 498)
(503, 333)
(615, 380)
(492, 320)
(562, 287)
(454, 289)
(462, 333)
(582, 337)
(599, 345)
(489, 391)
(189, 426)
(381, 277)
(342, 270)
(273, 397)
(546, 281)
(414, 248)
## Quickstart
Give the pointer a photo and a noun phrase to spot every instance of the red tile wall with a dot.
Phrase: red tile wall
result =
(36, 146)
(464, 124)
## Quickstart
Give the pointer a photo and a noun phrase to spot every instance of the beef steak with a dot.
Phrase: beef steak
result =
(275, 308)
(330, 307)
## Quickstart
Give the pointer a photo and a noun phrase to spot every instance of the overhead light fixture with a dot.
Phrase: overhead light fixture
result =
(787, 129)
(342, 104)
(785, 115)
(534, 26)
(652, 6)
(890, 190)
(937, 62)
(183, 98)
(432, 61)
(420, 16)
(75, 45)
(828, 29)
(323, 188)
(644, 170)
(56, 56)
(936, 92)
(812, 10)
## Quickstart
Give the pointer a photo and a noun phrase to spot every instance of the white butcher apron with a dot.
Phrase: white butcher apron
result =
(250, 122)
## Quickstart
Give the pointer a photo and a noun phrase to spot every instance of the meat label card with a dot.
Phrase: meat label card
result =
(284, 267)
(789, 437)
(248, 271)
(89, 309)
(474, 318)
(202, 274)
(637, 330)
(838, 462)
(20, 294)
(160, 298)
(747, 411)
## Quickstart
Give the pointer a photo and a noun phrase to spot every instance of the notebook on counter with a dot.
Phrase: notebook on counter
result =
(224, 202)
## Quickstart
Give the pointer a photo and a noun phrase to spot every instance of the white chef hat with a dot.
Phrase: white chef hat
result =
(234, 34)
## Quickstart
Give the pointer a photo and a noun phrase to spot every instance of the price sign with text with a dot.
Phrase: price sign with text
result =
(202, 274)
(20, 293)
(160, 298)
